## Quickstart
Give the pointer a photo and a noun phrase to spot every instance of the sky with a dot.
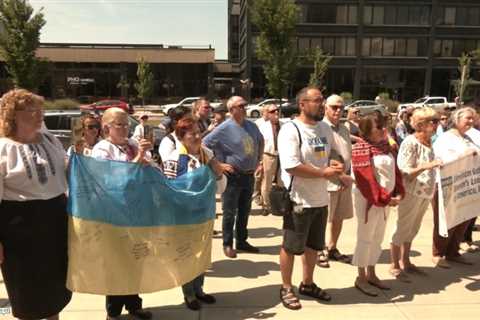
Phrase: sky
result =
(168, 22)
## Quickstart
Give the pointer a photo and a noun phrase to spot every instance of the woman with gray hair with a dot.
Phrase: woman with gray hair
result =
(450, 146)
(416, 162)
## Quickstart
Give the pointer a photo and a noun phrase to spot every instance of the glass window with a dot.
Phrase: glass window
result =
(461, 16)
(378, 15)
(473, 17)
(340, 46)
(422, 47)
(400, 47)
(425, 17)
(342, 14)
(366, 47)
(367, 14)
(388, 47)
(402, 15)
(376, 47)
(351, 44)
(437, 48)
(470, 45)
(390, 15)
(447, 47)
(302, 13)
(303, 44)
(412, 47)
(322, 13)
(450, 16)
(458, 47)
(352, 14)
(316, 42)
(328, 45)
(415, 15)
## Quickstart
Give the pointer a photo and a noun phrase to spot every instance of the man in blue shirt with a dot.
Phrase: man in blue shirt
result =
(237, 142)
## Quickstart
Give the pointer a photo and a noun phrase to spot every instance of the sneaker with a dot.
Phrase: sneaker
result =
(247, 247)
(141, 314)
(229, 252)
(193, 304)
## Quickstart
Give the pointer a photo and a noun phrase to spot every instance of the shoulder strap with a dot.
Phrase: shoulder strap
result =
(169, 136)
(278, 162)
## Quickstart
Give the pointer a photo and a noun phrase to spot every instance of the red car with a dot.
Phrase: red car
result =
(103, 105)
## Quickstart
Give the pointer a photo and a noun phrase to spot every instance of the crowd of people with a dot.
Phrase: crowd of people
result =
(334, 171)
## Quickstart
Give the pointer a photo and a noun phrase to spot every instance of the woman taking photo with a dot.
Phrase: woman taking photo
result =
(87, 135)
(378, 184)
(33, 219)
(416, 161)
(117, 146)
(188, 156)
(448, 147)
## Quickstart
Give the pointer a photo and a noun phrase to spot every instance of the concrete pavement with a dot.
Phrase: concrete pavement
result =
(248, 287)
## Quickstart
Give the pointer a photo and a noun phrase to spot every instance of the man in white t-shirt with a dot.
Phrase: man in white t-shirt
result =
(305, 147)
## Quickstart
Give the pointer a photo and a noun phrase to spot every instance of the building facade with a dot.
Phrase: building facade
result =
(407, 48)
(109, 70)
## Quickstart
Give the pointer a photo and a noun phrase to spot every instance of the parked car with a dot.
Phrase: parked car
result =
(255, 110)
(187, 102)
(437, 103)
(288, 110)
(103, 105)
(61, 122)
(364, 106)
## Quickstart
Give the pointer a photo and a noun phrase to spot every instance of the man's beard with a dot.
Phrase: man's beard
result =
(315, 116)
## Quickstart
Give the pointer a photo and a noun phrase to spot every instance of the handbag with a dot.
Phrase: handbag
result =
(280, 202)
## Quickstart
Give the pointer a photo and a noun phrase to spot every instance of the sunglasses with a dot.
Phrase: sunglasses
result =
(93, 126)
(335, 108)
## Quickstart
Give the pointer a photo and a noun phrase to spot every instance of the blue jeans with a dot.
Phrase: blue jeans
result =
(236, 205)
(190, 289)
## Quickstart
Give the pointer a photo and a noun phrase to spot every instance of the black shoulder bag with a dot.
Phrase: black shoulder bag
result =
(280, 202)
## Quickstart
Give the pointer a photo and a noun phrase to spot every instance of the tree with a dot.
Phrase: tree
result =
(144, 86)
(320, 62)
(465, 62)
(19, 42)
(276, 20)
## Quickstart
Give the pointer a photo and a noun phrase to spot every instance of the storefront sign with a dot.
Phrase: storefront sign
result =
(79, 81)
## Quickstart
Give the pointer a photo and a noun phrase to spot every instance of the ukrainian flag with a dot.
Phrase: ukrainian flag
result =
(132, 230)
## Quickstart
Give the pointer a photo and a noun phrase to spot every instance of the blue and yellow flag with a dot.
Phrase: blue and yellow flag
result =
(132, 230)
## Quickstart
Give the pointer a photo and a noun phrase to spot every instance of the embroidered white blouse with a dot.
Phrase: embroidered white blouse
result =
(33, 171)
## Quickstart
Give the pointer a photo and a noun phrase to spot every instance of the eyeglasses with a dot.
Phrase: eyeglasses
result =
(273, 111)
(336, 107)
(93, 126)
(433, 121)
(120, 125)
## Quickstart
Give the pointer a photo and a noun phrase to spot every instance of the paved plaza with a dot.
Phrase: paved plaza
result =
(248, 287)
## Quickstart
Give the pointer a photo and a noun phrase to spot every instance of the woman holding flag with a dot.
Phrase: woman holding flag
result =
(117, 146)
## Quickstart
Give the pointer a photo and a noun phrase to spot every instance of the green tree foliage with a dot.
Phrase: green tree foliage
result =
(144, 86)
(464, 62)
(275, 20)
(320, 61)
(19, 42)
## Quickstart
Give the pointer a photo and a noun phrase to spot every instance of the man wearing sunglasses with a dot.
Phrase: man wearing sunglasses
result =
(239, 143)
(340, 205)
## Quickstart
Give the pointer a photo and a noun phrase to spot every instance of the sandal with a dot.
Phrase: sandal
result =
(334, 254)
(365, 288)
(411, 268)
(313, 291)
(400, 275)
(322, 260)
(289, 299)
(378, 284)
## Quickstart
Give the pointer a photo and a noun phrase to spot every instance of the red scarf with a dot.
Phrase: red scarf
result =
(362, 165)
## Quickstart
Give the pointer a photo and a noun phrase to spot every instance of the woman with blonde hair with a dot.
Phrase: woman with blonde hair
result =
(33, 213)
(86, 135)
(416, 161)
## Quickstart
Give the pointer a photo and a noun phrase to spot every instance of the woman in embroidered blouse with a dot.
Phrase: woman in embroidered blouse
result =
(188, 156)
(416, 161)
(117, 146)
(89, 134)
(448, 147)
(33, 216)
(378, 184)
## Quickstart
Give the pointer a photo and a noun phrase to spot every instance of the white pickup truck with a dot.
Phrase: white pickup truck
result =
(437, 103)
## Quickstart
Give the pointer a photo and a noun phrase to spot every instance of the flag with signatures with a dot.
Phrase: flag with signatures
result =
(132, 230)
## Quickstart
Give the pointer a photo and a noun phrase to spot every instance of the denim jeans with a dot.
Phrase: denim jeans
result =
(236, 205)
(190, 289)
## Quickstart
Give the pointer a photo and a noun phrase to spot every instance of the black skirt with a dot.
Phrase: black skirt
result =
(34, 238)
